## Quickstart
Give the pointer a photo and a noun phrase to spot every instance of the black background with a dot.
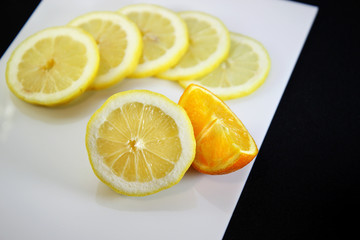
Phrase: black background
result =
(304, 183)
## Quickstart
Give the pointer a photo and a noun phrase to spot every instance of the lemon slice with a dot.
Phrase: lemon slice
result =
(119, 42)
(209, 46)
(244, 71)
(140, 142)
(53, 66)
(165, 37)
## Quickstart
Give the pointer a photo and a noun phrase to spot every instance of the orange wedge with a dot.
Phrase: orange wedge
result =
(223, 144)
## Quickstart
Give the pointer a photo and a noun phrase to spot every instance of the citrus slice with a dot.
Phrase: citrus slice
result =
(223, 144)
(119, 42)
(140, 142)
(209, 46)
(53, 66)
(244, 71)
(165, 37)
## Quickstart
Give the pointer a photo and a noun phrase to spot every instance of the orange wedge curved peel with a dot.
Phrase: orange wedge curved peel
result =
(223, 144)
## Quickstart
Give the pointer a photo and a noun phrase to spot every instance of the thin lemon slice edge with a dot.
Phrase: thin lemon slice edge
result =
(243, 72)
(165, 37)
(209, 46)
(119, 42)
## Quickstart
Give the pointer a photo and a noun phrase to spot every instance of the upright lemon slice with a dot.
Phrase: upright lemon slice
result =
(119, 42)
(53, 66)
(209, 46)
(244, 71)
(140, 142)
(165, 37)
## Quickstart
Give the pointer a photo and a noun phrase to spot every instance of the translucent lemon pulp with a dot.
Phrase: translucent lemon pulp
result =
(139, 142)
(209, 44)
(49, 68)
(241, 73)
(119, 42)
(53, 66)
(164, 34)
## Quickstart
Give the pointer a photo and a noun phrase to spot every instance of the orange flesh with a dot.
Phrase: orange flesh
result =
(223, 144)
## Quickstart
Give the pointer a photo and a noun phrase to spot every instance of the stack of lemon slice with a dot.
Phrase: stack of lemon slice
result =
(140, 142)
(99, 49)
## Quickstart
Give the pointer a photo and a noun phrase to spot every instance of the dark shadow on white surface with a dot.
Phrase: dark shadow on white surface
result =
(222, 191)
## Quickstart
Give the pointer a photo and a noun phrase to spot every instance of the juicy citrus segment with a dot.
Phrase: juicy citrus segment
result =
(119, 42)
(138, 146)
(53, 66)
(223, 144)
(140, 142)
(244, 71)
(164, 34)
(209, 46)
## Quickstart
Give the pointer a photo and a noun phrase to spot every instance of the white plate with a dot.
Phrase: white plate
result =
(48, 190)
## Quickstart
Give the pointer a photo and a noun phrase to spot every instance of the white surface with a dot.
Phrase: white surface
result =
(47, 187)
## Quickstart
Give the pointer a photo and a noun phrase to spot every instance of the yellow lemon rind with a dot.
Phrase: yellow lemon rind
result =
(178, 73)
(174, 54)
(64, 96)
(133, 50)
(186, 136)
(233, 92)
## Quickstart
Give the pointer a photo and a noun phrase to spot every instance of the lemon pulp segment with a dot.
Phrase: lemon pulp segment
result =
(47, 68)
(164, 35)
(53, 66)
(158, 34)
(203, 42)
(111, 40)
(139, 142)
(240, 67)
(209, 44)
(241, 73)
(119, 42)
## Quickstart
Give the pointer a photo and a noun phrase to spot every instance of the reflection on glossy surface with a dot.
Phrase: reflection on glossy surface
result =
(180, 197)
(7, 111)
